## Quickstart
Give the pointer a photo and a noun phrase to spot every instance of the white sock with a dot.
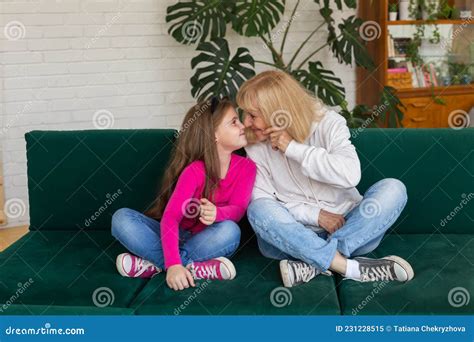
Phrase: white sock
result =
(352, 269)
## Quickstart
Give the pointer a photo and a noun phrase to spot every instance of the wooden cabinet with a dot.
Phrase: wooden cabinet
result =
(425, 112)
(422, 112)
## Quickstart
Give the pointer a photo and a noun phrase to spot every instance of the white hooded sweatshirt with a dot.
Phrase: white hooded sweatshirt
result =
(321, 173)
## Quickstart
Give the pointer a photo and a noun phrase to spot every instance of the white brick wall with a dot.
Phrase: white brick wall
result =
(78, 57)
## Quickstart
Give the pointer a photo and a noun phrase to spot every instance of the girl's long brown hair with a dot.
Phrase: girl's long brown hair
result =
(195, 141)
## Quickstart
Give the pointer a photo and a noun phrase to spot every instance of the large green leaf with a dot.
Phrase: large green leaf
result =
(349, 3)
(351, 44)
(358, 117)
(253, 18)
(390, 101)
(218, 74)
(195, 21)
(322, 82)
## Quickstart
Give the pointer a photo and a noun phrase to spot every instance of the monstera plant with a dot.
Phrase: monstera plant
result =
(218, 72)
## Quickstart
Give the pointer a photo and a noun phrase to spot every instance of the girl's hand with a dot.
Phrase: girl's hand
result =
(208, 212)
(279, 138)
(178, 277)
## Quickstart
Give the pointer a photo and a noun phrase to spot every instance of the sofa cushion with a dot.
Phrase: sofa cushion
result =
(257, 290)
(40, 310)
(65, 268)
(437, 167)
(77, 179)
(441, 262)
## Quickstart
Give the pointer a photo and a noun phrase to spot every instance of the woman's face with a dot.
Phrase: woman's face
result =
(230, 133)
(255, 122)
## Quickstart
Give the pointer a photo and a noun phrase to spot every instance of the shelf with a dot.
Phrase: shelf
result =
(443, 90)
(469, 21)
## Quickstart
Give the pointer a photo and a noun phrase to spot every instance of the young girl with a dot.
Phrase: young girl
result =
(306, 210)
(206, 189)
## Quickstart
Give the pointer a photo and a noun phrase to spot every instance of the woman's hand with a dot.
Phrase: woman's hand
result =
(208, 212)
(329, 221)
(279, 138)
(178, 277)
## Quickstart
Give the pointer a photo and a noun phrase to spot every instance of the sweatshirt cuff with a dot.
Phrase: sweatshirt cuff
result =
(296, 151)
(172, 262)
(317, 210)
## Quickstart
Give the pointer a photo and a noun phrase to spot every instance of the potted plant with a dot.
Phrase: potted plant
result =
(459, 73)
(404, 6)
(392, 11)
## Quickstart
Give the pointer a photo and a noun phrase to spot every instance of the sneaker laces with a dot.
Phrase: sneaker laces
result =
(205, 271)
(376, 273)
(303, 272)
(142, 265)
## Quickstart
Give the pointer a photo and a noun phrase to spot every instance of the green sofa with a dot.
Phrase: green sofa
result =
(77, 179)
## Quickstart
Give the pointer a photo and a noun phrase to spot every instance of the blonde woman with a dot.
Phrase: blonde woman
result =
(305, 208)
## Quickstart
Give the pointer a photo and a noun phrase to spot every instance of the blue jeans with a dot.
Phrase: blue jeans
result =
(140, 234)
(280, 236)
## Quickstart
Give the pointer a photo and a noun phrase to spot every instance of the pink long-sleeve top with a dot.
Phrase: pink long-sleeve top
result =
(231, 199)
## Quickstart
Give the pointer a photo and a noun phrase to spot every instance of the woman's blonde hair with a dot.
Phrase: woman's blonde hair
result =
(282, 101)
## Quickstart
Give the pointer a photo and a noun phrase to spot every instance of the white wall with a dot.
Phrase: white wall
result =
(74, 58)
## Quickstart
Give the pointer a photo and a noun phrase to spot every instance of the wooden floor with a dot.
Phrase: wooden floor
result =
(10, 235)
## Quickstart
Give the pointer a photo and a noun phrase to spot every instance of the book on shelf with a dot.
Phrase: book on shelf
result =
(397, 47)
(421, 76)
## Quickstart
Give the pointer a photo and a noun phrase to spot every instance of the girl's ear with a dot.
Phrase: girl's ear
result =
(216, 139)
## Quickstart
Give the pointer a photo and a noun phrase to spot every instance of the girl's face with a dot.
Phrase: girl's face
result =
(255, 122)
(230, 134)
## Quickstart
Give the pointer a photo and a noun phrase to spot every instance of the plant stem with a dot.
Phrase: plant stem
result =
(288, 27)
(319, 49)
(276, 56)
(271, 64)
(304, 43)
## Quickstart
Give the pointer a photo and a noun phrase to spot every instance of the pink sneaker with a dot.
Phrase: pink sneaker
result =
(129, 265)
(214, 269)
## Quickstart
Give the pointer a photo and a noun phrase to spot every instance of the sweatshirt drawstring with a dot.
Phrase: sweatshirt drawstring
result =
(298, 184)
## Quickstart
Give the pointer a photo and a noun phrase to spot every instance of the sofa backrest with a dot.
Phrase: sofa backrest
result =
(77, 179)
(437, 167)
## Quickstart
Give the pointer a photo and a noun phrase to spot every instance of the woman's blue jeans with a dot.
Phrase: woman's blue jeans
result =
(280, 236)
(140, 234)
